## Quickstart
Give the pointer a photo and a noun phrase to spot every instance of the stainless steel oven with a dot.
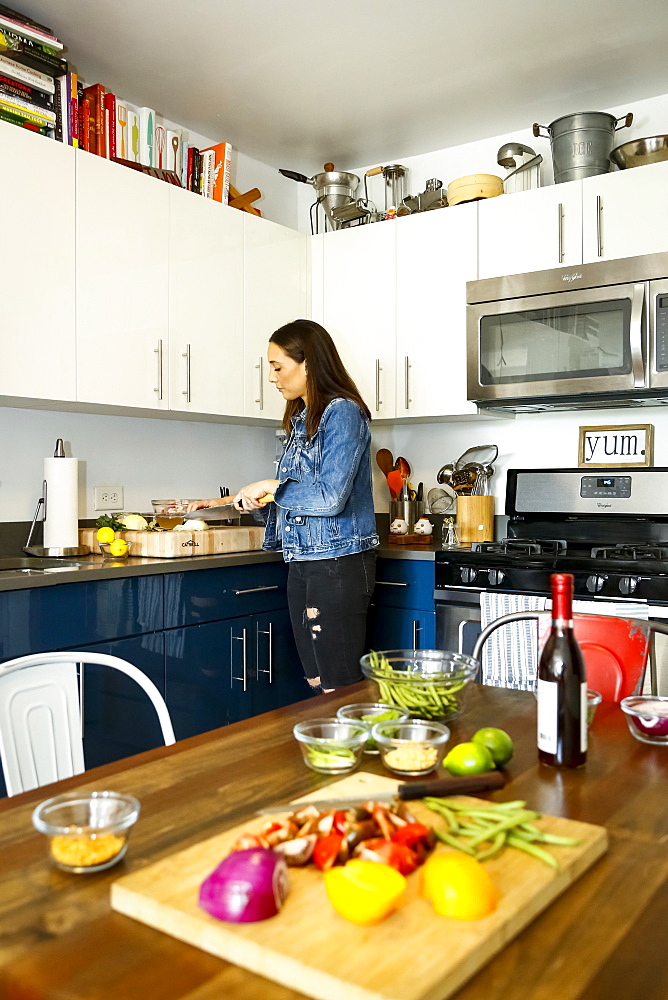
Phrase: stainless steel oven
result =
(583, 336)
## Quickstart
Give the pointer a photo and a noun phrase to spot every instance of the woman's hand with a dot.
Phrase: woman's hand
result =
(250, 497)
(198, 504)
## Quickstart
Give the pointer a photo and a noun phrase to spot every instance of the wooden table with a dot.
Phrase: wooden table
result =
(604, 938)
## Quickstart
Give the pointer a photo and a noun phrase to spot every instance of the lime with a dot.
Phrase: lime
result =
(469, 758)
(105, 535)
(498, 742)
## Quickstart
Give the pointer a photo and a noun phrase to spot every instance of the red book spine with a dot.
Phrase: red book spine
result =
(85, 125)
(189, 174)
(74, 104)
(110, 124)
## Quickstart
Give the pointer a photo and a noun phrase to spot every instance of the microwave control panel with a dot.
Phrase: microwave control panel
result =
(662, 333)
(618, 487)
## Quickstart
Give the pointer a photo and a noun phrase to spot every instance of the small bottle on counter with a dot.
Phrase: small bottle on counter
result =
(562, 685)
(449, 534)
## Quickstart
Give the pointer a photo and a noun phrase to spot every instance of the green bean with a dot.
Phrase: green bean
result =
(529, 848)
(453, 842)
(496, 846)
(505, 824)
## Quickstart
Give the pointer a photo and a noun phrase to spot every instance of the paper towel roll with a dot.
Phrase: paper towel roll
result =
(61, 527)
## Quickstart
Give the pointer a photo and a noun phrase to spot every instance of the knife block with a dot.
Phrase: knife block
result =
(475, 519)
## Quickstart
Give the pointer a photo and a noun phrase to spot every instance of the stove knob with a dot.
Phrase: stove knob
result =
(495, 576)
(628, 584)
(468, 574)
(596, 582)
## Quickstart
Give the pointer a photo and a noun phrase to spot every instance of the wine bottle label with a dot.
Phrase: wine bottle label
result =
(547, 693)
(583, 717)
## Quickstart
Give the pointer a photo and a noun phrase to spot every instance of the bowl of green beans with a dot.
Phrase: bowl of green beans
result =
(331, 746)
(426, 683)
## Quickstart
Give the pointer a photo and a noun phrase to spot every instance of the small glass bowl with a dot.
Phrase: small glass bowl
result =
(412, 746)
(594, 699)
(87, 831)
(647, 718)
(331, 746)
(105, 549)
(171, 506)
(370, 712)
(426, 683)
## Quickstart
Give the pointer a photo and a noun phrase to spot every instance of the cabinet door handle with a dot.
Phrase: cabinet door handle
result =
(560, 231)
(158, 351)
(407, 366)
(186, 391)
(379, 401)
(416, 633)
(635, 334)
(270, 655)
(391, 583)
(260, 368)
(599, 227)
(244, 645)
(254, 590)
(81, 697)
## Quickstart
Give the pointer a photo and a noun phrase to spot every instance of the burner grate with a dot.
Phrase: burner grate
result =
(521, 546)
(630, 551)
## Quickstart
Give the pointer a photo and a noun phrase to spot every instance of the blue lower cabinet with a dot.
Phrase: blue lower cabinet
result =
(278, 676)
(119, 717)
(401, 628)
(198, 677)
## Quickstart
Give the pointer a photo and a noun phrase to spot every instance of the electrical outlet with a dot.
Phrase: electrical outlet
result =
(108, 498)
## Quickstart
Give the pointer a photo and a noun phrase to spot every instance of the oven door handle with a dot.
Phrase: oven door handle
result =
(636, 334)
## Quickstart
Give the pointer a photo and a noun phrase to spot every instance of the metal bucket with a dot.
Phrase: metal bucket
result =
(582, 143)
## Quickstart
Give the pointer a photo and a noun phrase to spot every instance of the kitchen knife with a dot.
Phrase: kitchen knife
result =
(417, 790)
(221, 512)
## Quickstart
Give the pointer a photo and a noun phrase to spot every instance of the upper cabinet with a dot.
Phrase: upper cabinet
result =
(275, 292)
(530, 230)
(37, 328)
(436, 256)
(122, 285)
(359, 308)
(206, 305)
(625, 214)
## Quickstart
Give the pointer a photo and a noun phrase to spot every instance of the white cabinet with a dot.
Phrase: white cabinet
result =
(436, 256)
(37, 328)
(359, 308)
(530, 230)
(122, 223)
(625, 213)
(206, 322)
(275, 292)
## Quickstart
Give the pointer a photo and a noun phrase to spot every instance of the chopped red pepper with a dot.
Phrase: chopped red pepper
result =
(340, 821)
(388, 852)
(326, 851)
(412, 834)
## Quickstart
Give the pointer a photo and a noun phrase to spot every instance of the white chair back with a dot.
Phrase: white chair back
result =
(40, 716)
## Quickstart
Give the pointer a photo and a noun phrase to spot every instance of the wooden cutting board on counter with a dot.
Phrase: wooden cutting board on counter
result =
(413, 955)
(173, 544)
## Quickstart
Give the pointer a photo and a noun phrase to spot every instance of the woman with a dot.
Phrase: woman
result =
(323, 516)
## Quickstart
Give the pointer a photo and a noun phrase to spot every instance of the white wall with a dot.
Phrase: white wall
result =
(150, 458)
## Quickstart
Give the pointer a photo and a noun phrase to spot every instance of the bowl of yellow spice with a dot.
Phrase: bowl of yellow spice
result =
(410, 747)
(87, 831)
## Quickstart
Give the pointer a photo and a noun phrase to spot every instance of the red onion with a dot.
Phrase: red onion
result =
(246, 886)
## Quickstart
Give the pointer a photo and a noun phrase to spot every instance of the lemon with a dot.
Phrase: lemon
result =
(469, 758)
(118, 547)
(497, 741)
(105, 535)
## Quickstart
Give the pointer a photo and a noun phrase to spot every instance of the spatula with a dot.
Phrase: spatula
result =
(396, 482)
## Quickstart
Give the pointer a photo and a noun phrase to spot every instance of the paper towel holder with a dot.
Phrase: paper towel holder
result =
(56, 552)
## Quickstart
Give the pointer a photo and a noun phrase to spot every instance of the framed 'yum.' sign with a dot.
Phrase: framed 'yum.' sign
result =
(629, 446)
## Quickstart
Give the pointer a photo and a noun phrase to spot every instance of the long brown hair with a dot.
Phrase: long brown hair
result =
(326, 376)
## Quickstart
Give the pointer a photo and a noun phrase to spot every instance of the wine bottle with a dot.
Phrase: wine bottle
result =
(562, 685)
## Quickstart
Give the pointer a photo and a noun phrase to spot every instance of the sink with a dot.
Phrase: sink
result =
(34, 564)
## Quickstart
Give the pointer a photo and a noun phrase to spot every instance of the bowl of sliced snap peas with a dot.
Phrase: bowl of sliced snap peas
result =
(426, 683)
(331, 746)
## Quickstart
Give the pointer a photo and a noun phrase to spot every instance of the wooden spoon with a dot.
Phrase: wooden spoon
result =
(384, 460)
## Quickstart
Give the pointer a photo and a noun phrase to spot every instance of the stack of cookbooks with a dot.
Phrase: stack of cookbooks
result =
(30, 66)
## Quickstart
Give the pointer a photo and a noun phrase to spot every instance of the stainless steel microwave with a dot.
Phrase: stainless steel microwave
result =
(595, 335)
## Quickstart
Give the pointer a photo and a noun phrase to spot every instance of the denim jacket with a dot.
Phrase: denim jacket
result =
(324, 504)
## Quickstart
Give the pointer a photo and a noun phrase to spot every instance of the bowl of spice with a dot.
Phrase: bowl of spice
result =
(86, 831)
(410, 746)
(370, 712)
(331, 746)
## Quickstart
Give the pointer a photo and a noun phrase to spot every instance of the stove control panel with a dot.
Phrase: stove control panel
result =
(611, 487)
(596, 582)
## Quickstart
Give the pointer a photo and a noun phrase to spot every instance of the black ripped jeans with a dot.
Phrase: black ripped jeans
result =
(328, 601)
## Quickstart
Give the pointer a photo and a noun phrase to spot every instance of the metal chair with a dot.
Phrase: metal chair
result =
(40, 716)
(616, 650)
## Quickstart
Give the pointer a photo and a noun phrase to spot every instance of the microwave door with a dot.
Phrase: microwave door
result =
(570, 343)
(658, 328)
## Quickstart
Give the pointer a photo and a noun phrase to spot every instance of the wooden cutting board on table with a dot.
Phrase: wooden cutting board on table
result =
(174, 544)
(413, 955)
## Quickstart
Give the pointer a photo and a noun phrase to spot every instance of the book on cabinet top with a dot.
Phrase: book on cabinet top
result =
(24, 50)
(32, 112)
(30, 32)
(133, 133)
(24, 19)
(221, 171)
(26, 74)
(18, 89)
(7, 116)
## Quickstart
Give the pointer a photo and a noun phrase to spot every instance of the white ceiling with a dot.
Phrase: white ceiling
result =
(294, 83)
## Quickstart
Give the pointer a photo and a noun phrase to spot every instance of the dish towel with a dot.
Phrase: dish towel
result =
(510, 655)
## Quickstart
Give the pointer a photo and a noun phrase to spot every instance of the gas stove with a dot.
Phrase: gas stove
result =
(609, 530)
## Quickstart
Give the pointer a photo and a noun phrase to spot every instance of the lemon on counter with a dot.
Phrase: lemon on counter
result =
(105, 535)
(118, 547)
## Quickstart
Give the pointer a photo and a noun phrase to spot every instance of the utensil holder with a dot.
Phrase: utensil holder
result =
(475, 519)
(409, 511)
